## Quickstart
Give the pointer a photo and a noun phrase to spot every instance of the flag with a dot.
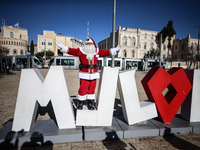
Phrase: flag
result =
(16, 25)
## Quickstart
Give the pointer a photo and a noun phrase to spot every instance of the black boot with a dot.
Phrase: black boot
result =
(91, 104)
(80, 104)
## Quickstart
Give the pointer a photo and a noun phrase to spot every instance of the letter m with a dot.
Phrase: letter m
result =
(33, 89)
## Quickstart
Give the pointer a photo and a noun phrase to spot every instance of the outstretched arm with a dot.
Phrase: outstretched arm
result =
(66, 49)
(63, 48)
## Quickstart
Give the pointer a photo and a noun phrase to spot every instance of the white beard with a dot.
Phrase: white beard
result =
(89, 51)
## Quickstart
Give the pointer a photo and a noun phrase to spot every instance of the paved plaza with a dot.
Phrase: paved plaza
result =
(8, 94)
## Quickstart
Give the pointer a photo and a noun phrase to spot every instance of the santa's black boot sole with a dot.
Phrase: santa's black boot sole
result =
(80, 105)
(91, 104)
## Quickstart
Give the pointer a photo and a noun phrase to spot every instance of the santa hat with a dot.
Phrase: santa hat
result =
(90, 40)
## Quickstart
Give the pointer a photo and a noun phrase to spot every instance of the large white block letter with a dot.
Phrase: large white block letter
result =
(105, 101)
(133, 110)
(33, 89)
(190, 108)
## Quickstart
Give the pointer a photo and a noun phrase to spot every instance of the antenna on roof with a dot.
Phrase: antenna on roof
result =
(87, 37)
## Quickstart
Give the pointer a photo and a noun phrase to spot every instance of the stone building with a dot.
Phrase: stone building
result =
(15, 39)
(135, 43)
(181, 47)
(47, 41)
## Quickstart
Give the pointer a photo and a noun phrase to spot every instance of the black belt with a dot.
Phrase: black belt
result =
(81, 66)
(90, 66)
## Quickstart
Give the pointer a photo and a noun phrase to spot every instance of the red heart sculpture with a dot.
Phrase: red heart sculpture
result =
(178, 84)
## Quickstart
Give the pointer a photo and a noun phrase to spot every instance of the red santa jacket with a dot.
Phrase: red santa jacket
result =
(85, 73)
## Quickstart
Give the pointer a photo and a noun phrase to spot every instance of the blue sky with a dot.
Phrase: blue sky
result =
(70, 17)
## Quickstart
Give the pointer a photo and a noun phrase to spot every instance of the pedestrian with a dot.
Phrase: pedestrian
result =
(13, 68)
(88, 73)
(4, 67)
(25, 65)
(7, 69)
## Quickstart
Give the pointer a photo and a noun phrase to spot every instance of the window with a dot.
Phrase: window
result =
(163, 56)
(50, 43)
(124, 41)
(183, 47)
(11, 42)
(133, 42)
(11, 34)
(117, 63)
(36, 61)
(21, 52)
(57, 61)
(151, 47)
(125, 53)
(6, 42)
(14, 43)
(68, 62)
(145, 36)
(14, 51)
(175, 47)
(133, 53)
(43, 43)
(164, 47)
(20, 36)
(152, 37)
(145, 45)
(192, 46)
(158, 47)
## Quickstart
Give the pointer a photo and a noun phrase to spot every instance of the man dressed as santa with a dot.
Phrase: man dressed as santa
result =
(88, 55)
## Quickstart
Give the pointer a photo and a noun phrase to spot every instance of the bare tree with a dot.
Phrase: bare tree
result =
(192, 56)
(3, 51)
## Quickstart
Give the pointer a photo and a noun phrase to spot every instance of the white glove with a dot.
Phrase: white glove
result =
(63, 48)
(115, 50)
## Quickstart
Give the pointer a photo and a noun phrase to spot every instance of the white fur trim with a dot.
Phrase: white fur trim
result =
(113, 51)
(81, 50)
(91, 96)
(88, 76)
(82, 97)
(84, 52)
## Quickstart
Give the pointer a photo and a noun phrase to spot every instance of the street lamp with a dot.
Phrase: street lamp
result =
(113, 30)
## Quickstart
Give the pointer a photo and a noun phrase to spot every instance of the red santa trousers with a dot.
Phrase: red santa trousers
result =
(86, 89)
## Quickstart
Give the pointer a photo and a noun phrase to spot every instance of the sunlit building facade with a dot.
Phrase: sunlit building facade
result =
(181, 48)
(47, 41)
(15, 39)
(135, 43)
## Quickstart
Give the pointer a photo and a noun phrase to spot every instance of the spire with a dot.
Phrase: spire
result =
(87, 37)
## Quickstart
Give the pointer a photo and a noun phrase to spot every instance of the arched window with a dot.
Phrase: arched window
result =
(133, 53)
(125, 53)
(124, 41)
(164, 47)
(15, 51)
(151, 47)
(133, 42)
(11, 34)
(21, 52)
(152, 37)
(145, 45)
(163, 56)
(145, 36)
(183, 47)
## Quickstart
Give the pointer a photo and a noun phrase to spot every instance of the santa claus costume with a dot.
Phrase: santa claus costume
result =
(88, 73)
